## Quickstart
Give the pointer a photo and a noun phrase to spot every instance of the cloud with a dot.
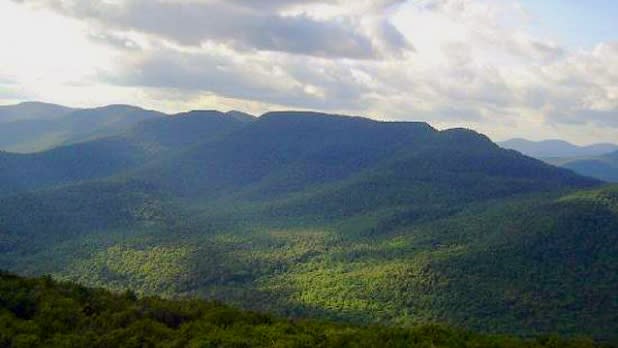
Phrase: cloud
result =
(116, 40)
(220, 73)
(583, 88)
(10, 89)
(293, 81)
(603, 118)
(6, 79)
(240, 24)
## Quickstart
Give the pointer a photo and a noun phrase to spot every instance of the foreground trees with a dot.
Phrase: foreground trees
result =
(41, 312)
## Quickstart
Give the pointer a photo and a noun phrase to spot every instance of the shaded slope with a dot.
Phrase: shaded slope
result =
(68, 164)
(322, 147)
(183, 130)
(149, 140)
(283, 153)
(35, 221)
(541, 266)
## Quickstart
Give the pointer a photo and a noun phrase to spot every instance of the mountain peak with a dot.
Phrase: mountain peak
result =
(34, 110)
(35, 103)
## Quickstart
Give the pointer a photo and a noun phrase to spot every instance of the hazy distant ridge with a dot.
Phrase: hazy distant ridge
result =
(556, 148)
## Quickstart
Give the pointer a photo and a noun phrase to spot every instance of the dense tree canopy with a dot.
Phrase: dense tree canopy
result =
(43, 313)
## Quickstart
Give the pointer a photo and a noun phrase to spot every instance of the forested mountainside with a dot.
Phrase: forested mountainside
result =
(324, 216)
(42, 312)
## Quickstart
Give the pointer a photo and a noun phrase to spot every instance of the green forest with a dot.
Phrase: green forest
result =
(40, 312)
(511, 266)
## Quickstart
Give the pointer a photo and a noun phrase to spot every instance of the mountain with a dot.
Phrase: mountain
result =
(288, 152)
(42, 312)
(331, 217)
(604, 167)
(556, 148)
(150, 140)
(33, 127)
(29, 111)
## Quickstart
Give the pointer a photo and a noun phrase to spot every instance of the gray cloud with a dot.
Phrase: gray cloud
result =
(272, 4)
(457, 114)
(238, 23)
(116, 40)
(602, 118)
(291, 82)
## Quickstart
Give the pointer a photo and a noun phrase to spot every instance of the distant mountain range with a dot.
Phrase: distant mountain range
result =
(603, 167)
(556, 148)
(33, 126)
(598, 161)
(32, 111)
(151, 139)
(318, 215)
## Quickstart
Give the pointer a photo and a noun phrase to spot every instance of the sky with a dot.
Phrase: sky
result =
(507, 68)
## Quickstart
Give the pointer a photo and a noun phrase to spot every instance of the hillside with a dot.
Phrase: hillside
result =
(41, 312)
(288, 152)
(556, 148)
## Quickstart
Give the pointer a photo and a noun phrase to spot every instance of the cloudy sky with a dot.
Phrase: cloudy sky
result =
(525, 68)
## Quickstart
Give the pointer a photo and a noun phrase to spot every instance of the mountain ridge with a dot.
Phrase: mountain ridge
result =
(556, 148)
(32, 110)
(29, 135)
